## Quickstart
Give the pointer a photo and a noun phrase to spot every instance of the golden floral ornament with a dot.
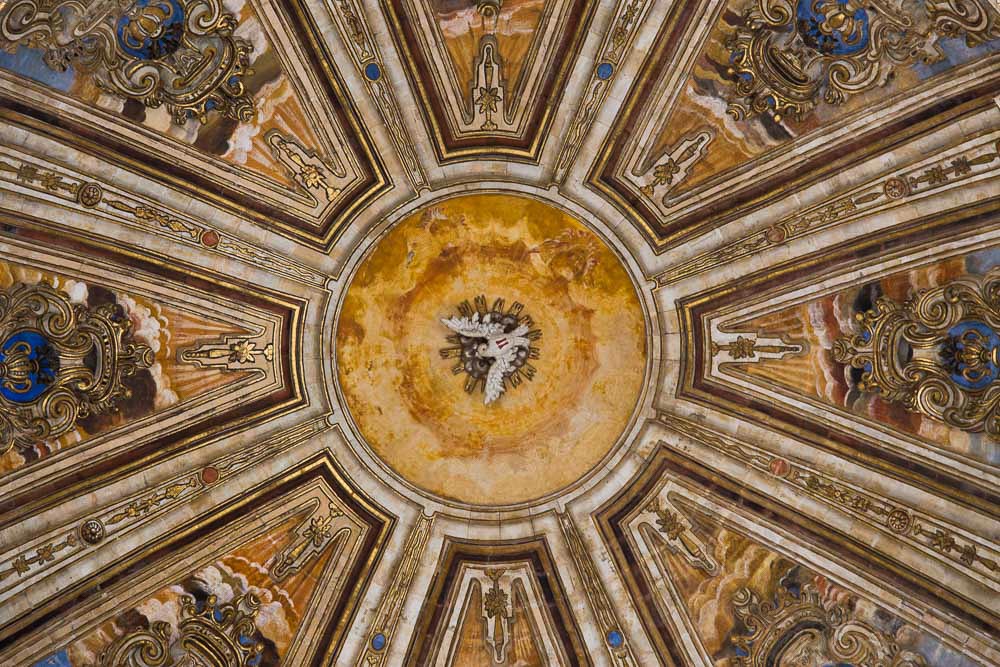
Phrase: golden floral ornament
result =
(319, 179)
(497, 614)
(496, 601)
(677, 162)
(488, 100)
(673, 531)
(937, 354)
(488, 88)
(60, 362)
(244, 351)
(322, 531)
(232, 353)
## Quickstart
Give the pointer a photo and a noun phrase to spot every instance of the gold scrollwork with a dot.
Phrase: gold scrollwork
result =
(210, 634)
(182, 53)
(800, 630)
(937, 354)
(60, 362)
(788, 56)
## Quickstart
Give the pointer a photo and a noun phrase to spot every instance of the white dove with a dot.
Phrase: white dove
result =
(499, 346)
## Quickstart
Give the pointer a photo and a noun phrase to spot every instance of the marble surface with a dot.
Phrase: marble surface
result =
(414, 412)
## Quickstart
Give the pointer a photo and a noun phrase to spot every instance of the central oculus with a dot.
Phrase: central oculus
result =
(450, 279)
(492, 346)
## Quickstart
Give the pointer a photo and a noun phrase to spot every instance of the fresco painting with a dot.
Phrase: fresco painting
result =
(818, 323)
(704, 100)
(276, 104)
(757, 591)
(586, 360)
(462, 27)
(168, 382)
(240, 573)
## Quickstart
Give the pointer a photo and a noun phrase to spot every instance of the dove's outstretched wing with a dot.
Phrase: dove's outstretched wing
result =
(519, 332)
(473, 327)
(494, 379)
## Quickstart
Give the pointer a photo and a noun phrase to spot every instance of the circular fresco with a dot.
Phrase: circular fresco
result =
(491, 349)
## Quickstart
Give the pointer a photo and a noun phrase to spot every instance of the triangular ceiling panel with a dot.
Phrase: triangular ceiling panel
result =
(748, 100)
(146, 358)
(834, 363)
(227, 93)
(885, 369)
(255, 594)
(160, 379)
(475, 647)
(705, 582)
(462, 29)
(496, 603)
(491, 72)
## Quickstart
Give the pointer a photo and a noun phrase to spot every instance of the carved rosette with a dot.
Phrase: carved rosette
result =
(181, 53)
(60, 362)
(800, 630)
(937, 354)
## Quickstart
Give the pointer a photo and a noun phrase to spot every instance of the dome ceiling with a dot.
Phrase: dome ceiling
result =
(509, 332)
(574, 380)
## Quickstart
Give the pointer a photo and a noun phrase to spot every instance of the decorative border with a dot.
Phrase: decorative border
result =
(624, 26)
(364, 52)
(949, 168)
(44, 177)
(320, 466)
(391, 606)
(48, 554)
(593, 588)
(975, 556)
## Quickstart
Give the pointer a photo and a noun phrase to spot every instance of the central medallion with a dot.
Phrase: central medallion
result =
(471, 427)
(492, 346)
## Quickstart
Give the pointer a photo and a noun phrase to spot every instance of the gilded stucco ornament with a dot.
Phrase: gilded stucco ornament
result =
(788, 57)
(208, 634)
(60, 362)
(497, 614)
(314, 536)
(181, 53)
(937, 353)
(804, 630)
